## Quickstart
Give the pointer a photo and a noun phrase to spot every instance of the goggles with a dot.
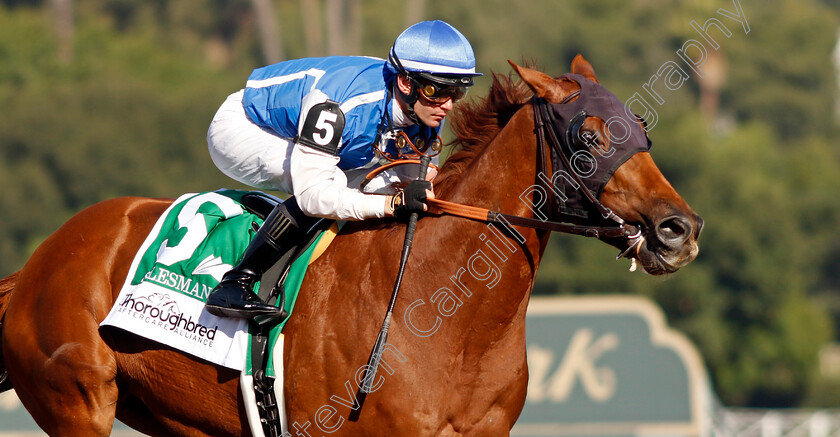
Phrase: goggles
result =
(437, 93)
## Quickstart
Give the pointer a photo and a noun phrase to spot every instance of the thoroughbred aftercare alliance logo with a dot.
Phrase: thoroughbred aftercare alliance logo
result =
(160, 310)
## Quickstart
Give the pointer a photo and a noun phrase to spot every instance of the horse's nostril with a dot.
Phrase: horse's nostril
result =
(673, 230)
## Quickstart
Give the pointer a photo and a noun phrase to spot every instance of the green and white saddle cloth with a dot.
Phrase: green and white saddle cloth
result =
(196, 241)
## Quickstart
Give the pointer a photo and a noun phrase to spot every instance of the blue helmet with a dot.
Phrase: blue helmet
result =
(436, 51)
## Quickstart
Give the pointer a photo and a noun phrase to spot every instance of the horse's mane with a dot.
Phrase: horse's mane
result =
(476, 123)
(6, 286)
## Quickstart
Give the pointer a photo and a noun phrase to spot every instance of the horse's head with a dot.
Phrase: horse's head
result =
(600, 165)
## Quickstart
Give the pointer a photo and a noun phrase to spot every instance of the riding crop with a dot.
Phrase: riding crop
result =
(382, 338)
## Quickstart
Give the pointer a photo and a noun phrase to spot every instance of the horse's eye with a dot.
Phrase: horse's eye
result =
(589, 137)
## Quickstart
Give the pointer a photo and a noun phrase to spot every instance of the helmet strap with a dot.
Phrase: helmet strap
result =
(409, 99)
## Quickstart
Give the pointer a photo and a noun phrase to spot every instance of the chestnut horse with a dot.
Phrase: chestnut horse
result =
(455, 362)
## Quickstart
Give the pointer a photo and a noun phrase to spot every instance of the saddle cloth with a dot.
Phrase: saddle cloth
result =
(196, 240)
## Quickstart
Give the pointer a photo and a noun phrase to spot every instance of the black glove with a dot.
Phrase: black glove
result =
(411, 199)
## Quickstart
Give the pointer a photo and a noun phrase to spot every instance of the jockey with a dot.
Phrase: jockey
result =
(313, 127)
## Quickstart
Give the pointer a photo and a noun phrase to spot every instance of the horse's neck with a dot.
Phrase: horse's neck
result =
(497, 267)
(504, 170)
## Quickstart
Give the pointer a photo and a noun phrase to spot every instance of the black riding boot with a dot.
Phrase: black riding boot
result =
(234, 296)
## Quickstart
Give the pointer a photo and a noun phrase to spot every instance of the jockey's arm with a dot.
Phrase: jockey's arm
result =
(321, 188)
(317, 182)
(319, 185)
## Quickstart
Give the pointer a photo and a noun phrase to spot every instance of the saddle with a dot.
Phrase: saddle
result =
(260, 204)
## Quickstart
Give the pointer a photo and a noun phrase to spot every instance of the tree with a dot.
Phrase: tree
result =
(63, 12)
(310, 16)
(269, 31)
(128, 115)
(343, 22)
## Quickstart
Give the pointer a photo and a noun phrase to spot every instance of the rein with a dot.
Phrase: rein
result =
(546, 155)
(444, 207)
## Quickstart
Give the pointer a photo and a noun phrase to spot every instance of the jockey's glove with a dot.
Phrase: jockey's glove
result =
(410, 200)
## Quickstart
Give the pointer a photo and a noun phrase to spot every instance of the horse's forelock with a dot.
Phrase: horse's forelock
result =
(476, 122)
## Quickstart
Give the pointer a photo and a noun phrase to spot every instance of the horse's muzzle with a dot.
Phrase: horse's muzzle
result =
(670, 244)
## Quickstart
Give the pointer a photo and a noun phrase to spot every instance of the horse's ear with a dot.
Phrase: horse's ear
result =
(543, 85)
(584, 68)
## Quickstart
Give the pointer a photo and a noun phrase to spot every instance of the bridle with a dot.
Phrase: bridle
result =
(552, 153)
(557, 153)
(558, 156)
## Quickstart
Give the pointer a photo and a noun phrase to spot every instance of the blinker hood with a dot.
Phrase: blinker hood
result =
(593, 165)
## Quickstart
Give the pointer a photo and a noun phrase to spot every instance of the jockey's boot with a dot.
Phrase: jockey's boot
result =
(234, 296)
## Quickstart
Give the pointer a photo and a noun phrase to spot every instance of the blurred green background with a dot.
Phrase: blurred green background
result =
(106, 98)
